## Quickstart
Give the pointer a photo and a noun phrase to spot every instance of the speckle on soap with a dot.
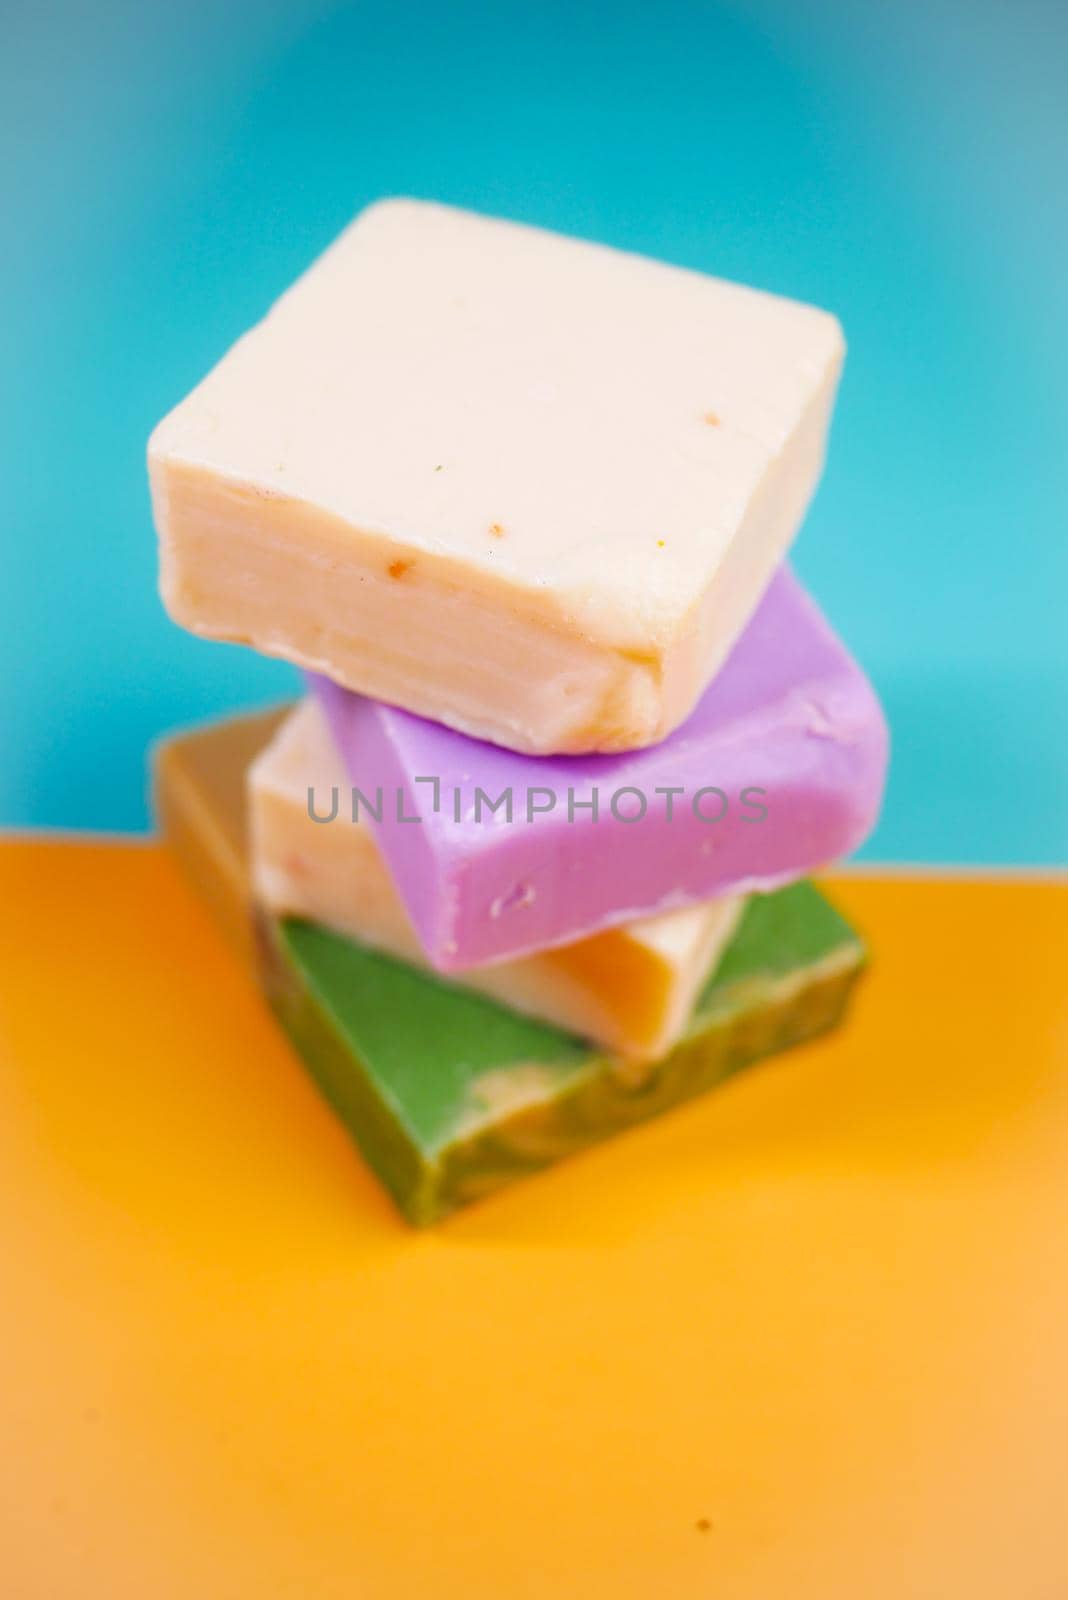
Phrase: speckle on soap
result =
(537, 364)
(819, 723)
(523, 895)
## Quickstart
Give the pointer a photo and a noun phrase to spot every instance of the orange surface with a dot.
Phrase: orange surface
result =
(805, 1338)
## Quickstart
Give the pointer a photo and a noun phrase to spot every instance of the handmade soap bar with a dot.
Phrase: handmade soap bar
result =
(630, 989)
(199, 796)
(778, 771)
(529, 487)
(448, 1094)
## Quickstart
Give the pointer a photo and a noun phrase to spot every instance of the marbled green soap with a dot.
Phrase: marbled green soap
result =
(450, 1096)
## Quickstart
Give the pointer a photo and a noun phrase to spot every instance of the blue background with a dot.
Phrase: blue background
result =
(168, 169)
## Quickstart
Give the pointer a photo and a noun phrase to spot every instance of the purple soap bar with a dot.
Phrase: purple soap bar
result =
(779, 770)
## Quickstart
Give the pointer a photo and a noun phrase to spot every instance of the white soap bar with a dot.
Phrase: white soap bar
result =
(631, 989)
(528, 487)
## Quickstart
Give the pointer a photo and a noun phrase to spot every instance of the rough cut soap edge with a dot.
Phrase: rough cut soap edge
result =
(540, 985)
(345, 570)
(769, 526)
(603, 1101)
(644, 689)
(603, 1097)
(425, 1190)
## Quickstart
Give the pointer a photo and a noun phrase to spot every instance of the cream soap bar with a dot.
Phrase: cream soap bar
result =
(528, 487)
(630, 989)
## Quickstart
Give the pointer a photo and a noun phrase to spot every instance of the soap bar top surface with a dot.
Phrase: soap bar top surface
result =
(790, 726)
(572, 470)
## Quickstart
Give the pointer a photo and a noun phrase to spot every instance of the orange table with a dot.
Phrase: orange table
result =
(808, 1337)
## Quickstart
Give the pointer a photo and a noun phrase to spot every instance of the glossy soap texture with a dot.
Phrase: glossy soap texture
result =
(790, 714)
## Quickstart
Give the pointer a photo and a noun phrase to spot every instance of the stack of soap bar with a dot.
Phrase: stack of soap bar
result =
(449, 1094)
(527, 863)
(630, 988)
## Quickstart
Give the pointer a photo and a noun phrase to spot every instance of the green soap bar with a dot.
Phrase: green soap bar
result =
(450, 1095)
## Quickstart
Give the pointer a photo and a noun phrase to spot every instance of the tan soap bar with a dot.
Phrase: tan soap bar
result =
(528, 487)
(631, 989)
(199, 795)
